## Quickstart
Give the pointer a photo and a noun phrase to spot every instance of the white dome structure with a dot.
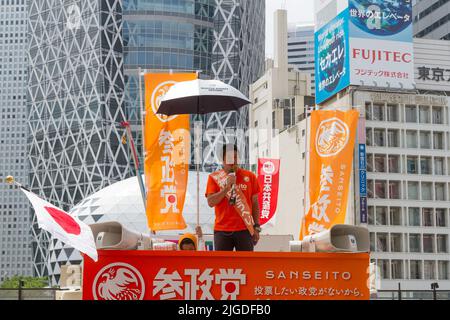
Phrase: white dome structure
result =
(122, 202)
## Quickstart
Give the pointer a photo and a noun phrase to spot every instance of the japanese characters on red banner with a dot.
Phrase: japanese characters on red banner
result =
(158, 275)
(268, 178)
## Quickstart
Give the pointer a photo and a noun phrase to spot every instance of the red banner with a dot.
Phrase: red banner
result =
(183, 275)
(268, 178)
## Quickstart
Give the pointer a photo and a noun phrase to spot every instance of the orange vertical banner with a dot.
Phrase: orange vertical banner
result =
(167, 147)
(332, 144)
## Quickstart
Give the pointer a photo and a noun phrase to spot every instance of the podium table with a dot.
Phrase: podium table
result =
(189, 275)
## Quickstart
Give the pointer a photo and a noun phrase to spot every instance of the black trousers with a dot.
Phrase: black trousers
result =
(228, 241)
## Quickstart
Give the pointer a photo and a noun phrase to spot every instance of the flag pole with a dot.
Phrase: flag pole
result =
(127, 127)
(10, 180)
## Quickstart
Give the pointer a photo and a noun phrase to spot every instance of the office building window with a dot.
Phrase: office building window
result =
(441, 220)
(381, 216)
(439, 191)
(411, 139)
(371, 215)
(414, 242)
(382, 242)
(411, 114)
(438, 141)
(443, 270)
(415, 269)
(383, 265)
(397, 269)
(425, 165)
(368, 111)
(424, 114)
(369, 139)
(370, 193)
(413, 190)
(393, 138)
(380, 189)
(438, 115)
(439, 166)
(392, 112)
(414, 217)
(379, 136)
(369, 162)
(425, 139)
(378, 112)
(429, 270)
(380, 163)
(394, 163)
(396, 242)
(427, 192)
(427, 217)
(394, 190)
(395, 216)
(442, 242)
(428, 243)
(372, 241)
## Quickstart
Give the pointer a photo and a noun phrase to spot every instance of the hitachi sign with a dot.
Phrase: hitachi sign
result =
(381, 55)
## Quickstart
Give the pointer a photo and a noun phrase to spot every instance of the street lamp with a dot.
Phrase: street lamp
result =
(434, 286)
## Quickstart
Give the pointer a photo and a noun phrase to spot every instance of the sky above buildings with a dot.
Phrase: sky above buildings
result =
(299, 11)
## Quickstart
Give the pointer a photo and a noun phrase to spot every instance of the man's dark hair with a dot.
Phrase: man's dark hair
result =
(228, 147)
(186, 241)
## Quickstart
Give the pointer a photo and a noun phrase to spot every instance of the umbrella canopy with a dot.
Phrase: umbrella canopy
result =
(201, 97)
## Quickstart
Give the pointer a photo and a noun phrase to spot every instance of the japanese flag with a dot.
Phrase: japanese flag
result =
(63, 226)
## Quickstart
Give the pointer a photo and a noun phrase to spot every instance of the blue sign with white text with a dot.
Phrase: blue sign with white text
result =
(332, 57)
(363, 209)
(362, 157)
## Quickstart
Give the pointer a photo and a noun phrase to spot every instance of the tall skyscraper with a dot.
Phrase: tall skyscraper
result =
(84, 80)
(301, 49)
(15, 237)
(432, 19)
(75, 103)
(238, 59)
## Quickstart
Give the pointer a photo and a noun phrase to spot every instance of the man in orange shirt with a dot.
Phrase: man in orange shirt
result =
(233, 192)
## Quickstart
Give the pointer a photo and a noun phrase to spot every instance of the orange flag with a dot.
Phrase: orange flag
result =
(167, 146)
(332, 144)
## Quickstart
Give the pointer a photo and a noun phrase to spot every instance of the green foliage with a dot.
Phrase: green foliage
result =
(28, 282)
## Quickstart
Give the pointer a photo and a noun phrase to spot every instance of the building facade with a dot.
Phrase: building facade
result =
(301, 50)
(238, 60)
(75, 103)
(15, 221)
(432, 19)
(157, 36)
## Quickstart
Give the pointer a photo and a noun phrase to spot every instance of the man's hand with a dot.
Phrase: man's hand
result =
(255, 237)
(230, 181)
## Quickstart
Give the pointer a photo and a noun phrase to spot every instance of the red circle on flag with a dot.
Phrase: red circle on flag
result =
(64, 220)
(230, 287)
(171, 199)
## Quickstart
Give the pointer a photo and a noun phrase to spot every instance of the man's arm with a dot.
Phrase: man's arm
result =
(215, 198)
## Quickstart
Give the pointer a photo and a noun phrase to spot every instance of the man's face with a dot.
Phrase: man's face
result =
(188, 247)
(230, 160)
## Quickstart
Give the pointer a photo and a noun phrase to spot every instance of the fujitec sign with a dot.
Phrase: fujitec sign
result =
(180, 275)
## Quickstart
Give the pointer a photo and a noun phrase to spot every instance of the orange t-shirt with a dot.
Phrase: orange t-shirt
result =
(227, 218)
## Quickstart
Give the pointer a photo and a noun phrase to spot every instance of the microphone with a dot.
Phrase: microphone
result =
(232, 200)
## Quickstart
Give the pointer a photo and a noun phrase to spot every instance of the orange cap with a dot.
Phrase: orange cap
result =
(188, 236)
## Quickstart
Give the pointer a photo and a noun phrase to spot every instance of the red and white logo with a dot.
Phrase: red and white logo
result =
(118, 281)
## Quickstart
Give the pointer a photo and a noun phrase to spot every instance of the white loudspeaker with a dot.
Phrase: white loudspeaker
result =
(340, 238)
(112, 235)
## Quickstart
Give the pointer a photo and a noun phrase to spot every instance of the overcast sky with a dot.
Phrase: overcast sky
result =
(299, 11)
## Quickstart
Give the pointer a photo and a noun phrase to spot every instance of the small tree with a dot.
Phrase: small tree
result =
(28, 282)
